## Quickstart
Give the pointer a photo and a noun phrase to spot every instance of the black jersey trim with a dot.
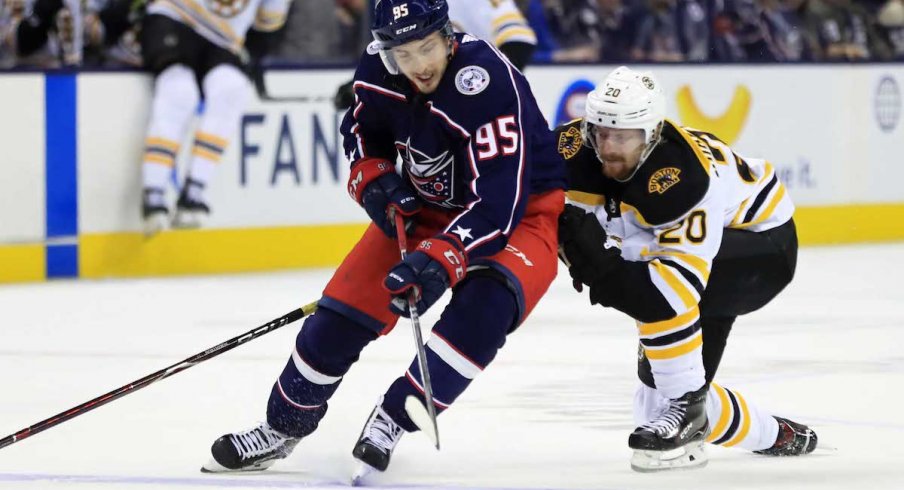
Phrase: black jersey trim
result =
(760, 199)
(672, 338)
(735, 420)
(687, 274)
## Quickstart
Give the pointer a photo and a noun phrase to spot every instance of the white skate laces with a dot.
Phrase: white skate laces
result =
(254, 449)
(375, 445)
(257, 441)
(382, 431)
(667, 424)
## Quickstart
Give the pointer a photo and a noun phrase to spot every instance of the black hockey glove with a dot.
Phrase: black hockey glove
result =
(435, 265)
(582, 243)
(345, 96)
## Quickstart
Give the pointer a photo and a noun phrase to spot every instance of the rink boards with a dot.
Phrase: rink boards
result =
(72, 145)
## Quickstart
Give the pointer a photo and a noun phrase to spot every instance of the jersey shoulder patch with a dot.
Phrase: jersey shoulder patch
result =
(670, 182)
(585, 176)
(472, 79)
(569, 140)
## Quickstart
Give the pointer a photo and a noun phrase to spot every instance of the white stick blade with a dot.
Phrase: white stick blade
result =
(418, 414)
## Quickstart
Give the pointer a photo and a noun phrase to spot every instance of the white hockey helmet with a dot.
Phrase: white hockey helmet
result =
(626, 99)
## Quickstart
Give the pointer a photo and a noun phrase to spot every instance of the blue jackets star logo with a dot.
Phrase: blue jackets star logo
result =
(463, 233)
(433, 177)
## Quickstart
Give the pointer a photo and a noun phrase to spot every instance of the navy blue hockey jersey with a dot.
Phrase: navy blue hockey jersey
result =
(478, 145)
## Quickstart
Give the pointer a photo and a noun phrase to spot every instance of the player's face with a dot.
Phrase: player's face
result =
(423, 61)
(619, 150)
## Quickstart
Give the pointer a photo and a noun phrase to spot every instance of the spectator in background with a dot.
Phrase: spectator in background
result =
(845, 31)
(354, 21)
(40, 33)
(753, 30)
(891, 21)
(111, 33)
(803, 17)
(672, 30)
(785, 29)
(11, 12)
(615, 30)
(567, 30)
(317, 32)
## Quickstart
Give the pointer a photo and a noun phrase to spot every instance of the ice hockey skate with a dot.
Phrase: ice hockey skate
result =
(154, 212)
(191, 210)
(375, 444)
(674, 439)
(793, 439)
(255, 449)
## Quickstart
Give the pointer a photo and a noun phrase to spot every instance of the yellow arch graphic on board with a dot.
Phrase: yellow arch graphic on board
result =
(726, 126)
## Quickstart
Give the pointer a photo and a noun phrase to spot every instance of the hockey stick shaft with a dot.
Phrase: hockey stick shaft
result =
(416, 328)
(263, 93)
(159, 375)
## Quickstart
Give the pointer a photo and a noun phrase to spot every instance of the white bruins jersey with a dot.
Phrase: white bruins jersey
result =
(672, 212)
(225, 22)
(497, 21)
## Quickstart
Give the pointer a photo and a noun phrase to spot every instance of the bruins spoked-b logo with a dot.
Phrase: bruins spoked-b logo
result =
(663, 179)
(227, 8)
(471, 80)
(570, 142)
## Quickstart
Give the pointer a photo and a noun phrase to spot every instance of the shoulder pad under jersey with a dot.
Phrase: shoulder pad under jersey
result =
(672, 181)
(586, 182)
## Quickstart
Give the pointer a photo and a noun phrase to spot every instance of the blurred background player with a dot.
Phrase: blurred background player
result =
(40, 33)
(197, 49)
(445, 103)
(497, 21)
(672, 227)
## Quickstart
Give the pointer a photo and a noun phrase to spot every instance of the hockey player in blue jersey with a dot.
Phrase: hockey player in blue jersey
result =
(446, 132)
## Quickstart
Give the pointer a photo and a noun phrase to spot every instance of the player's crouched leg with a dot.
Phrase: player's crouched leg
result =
(469, 333)
(327, 345)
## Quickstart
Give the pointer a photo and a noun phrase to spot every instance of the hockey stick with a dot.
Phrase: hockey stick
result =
(425, 421)
(303, 99)
(163, 373)
(260, 86)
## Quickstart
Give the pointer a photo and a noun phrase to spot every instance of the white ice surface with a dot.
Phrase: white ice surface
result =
(552, 412)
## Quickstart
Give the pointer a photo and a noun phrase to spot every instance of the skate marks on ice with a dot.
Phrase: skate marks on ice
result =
(43, 480)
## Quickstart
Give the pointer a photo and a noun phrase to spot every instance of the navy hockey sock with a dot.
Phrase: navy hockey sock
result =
(465, 340)
(326, 347)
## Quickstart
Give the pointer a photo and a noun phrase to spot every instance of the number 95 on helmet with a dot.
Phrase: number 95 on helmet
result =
(396, 22)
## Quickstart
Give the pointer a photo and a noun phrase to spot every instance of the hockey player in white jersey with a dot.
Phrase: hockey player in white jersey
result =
(497, 21)
(196, 49)
(669, 225)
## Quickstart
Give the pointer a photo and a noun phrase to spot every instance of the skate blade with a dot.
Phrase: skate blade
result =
(690, 456)
(154, 224)
(213, 467)
(418, 414)
(820, 446)
(187, 220)
(362, 472)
